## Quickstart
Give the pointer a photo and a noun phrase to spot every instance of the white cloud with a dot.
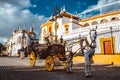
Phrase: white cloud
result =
(47, 7)
(3, 39)
(81, 4)
(99, 4)
(15, 12)
(34, 6)
(18, 3)
(102, 2)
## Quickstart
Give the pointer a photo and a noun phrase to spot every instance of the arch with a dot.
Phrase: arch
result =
(86, 24)
(103, 21)
(94, 23)
(114, 19)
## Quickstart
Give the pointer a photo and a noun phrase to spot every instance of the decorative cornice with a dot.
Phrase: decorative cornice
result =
(101, 15)
(69, 15)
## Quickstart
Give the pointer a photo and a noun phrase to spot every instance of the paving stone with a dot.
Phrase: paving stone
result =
(14, 68)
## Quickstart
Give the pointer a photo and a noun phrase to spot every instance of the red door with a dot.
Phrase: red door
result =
(107, 47)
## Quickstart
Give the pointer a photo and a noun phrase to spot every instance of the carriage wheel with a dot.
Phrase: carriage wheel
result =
(50, 63)
(32, 59)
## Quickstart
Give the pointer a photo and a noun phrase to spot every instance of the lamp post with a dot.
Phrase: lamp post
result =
(56, 26)
(54, 18)
(22, 50)
(112, 40)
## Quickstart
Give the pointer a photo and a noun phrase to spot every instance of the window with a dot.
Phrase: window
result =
(44, 32)
(50, 29)
(66, 29)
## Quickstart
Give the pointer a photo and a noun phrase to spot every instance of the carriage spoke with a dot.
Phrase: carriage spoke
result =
(50, 63)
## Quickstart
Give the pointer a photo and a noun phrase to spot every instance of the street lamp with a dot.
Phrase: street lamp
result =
(56, 27)
(22, 50)
(61, 39)
(23, 37)
(112, 39)
(54, 18)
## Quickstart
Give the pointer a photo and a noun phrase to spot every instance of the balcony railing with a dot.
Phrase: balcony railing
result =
(101, 28)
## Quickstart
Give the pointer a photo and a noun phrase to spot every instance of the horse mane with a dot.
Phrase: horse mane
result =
(88, 40)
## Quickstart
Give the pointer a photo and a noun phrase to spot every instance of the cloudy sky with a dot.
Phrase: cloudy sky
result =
(26, 13)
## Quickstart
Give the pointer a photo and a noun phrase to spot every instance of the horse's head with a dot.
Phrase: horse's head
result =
(93, 34)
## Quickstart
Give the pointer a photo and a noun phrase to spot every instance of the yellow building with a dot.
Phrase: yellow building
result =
(108, 40)
(63, 24)
(108, 33)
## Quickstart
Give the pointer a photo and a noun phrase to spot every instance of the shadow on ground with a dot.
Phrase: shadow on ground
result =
(99, 72)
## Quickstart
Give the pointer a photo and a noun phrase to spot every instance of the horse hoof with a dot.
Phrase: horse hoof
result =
(69, 71)
(88, 76)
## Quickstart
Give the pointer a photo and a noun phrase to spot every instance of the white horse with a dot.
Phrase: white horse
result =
(87, 48)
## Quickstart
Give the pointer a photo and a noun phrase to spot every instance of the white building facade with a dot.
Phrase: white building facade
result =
(63, 24)
(20, 39)
(108, 32)
(108, 36)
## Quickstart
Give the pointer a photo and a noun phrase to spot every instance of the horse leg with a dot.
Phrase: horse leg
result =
(87, 64)
(69, 62)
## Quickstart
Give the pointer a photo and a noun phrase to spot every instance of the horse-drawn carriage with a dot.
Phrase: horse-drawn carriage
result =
(49, 53)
